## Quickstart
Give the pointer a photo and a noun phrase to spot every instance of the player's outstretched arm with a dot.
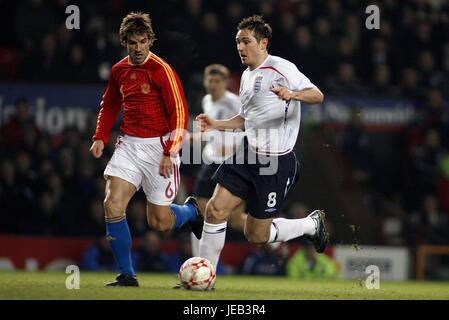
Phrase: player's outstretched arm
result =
(97, 148)
(309, 95)
(206, 123)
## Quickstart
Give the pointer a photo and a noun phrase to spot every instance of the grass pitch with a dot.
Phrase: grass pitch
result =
(51, 285)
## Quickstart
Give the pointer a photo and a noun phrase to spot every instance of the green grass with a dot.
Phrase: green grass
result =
(51, 285)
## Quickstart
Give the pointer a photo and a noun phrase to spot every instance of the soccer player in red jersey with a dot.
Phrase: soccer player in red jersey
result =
(147, 153)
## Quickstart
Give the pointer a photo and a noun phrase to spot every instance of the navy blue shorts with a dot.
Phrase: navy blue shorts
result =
(205, 184)
(264, 194)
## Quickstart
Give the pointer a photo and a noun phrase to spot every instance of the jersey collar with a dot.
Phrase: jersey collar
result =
(263, 63)
(145, 61)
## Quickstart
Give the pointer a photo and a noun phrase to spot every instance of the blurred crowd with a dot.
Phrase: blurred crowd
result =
(327, 39)
(403, 175)
(50, 184)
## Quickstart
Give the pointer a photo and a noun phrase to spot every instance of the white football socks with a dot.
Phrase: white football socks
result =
(286, 229)
(195, 244)
(212, 242)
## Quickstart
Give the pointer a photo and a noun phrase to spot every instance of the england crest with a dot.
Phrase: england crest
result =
(257, 84)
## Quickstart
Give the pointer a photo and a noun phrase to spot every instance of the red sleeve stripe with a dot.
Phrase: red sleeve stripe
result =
(176, 177)
(179, 104)
(272, 68)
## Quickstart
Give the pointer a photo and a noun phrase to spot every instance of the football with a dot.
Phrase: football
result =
(197, 274)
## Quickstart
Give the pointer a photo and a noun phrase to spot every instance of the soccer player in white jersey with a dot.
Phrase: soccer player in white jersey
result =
(271, 92)
(219, 104)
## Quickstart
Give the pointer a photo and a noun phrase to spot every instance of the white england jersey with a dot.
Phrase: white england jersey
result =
(221, 144)
(271, 124)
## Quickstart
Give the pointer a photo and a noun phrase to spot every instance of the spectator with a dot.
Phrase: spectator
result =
(269, 259)
(307, 264)
(443, 182)
(137, 218)
(430, 224)
(346, 82)
(94, 224)
(356, 146)
(10, 201)
(98, 257)
(14, 131)
(382, 85)
(184, 252)
(148, 257)
(424, 160)
(409, 84)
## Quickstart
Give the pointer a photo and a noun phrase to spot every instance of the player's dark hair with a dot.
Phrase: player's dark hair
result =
(257, 25)
(217, 69)
(136, 23)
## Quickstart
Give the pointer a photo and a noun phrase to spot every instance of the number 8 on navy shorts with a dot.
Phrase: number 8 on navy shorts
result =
(264, 194)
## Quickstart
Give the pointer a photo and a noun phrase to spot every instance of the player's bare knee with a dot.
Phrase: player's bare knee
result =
(256, 238)
(213, 214)
(113, 207)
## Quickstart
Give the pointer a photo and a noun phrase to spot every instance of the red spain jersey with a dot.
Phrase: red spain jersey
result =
(153, 102)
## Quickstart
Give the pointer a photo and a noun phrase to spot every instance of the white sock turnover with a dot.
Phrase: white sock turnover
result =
(195, 244)
(212, 242)
(286, 229)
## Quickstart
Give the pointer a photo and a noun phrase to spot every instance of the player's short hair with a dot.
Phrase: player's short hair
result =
(217, 69)
(136, 23)
(257, 25)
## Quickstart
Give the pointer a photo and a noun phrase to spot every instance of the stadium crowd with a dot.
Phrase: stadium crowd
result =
(50, 184)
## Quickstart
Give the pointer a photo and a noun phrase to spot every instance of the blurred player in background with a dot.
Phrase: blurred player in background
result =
(220, 104)
(146, 155)
(271, 91)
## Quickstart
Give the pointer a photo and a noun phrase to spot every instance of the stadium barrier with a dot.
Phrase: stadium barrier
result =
(356, 262)
(55, 253)
(56, 107)
(422, 252)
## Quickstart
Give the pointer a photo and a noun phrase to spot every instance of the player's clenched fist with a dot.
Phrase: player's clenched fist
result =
(283, 93)
(205, 123)
(97, 148)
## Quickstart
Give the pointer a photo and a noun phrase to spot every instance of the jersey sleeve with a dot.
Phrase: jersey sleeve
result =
(110, 106)
(236, 106)
(175, 107)
(293, 78)
(241, 112)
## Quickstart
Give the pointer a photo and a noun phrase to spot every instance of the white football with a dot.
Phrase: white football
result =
(197, 274)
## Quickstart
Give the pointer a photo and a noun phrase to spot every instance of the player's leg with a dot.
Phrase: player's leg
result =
(311, 227)
(237, 219)
(162, 213)
(173, 216)
(260, 230)
(257, 230)
(202, 202)
(218, 210)
(203, 190)
(271, 194)
(195, 243)
(123, 180)
(118, 194)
